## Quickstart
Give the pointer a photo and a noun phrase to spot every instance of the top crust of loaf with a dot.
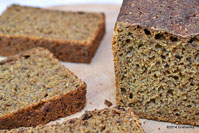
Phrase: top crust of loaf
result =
(179, 17)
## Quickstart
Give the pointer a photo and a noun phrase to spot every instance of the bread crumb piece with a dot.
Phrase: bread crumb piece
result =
(108, 103)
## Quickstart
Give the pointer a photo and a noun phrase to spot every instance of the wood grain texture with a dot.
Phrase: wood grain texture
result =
(99, 74)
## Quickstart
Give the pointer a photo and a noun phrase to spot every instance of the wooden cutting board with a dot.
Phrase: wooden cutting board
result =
(99, 74)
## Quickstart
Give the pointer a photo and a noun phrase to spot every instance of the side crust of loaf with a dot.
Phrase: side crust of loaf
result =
(46, 110)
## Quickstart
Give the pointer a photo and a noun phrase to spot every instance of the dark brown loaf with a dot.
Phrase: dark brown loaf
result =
(109, 120)
(71, 36)
(35, 89)
(156, 57)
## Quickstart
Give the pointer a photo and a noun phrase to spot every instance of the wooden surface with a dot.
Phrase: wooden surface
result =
(99, 74)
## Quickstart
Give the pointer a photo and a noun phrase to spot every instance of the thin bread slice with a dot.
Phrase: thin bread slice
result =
(70, 36)
(35, 89)
(109, 120)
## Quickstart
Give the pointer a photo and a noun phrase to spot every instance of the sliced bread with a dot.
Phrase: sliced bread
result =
(35, 89)
(109, 120)
(70, 36)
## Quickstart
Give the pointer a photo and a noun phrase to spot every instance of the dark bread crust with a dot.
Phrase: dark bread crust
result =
(65, 50)
(46, 110)
(179, 17)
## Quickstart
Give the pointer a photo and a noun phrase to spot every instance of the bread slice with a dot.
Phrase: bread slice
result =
(156, 57)
(70, 36)
(35, 89)
(109, 120)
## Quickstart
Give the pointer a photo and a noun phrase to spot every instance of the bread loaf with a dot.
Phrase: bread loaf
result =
(156, 57)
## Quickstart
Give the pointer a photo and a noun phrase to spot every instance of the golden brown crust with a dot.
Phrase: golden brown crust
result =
(44, 111)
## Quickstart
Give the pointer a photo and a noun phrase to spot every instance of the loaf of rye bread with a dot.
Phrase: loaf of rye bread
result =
(109, 120)
(71, 36)
(35, 89)
(156, 57)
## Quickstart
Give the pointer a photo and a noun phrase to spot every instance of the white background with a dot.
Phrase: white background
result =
(46, 3)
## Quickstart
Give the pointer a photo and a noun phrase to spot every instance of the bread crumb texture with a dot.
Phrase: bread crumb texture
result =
(43, 23)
